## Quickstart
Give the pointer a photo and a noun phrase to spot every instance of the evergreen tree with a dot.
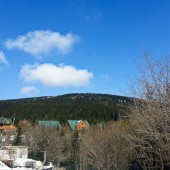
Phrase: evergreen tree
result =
(18, 137)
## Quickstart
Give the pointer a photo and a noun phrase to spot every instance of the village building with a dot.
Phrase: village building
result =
(10, 153)
(7, 130)
(72, 125)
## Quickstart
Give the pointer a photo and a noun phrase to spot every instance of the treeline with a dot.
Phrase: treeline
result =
(93, 107)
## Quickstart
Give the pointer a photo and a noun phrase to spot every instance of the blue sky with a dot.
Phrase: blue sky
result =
(54, 47)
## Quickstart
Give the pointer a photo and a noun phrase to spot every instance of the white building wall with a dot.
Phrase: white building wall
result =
(13, 152)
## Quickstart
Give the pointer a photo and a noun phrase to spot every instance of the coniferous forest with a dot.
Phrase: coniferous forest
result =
(93, 107)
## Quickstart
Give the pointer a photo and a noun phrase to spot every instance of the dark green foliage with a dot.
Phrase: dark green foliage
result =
(36, 155)
(18, 138)
(93, 107)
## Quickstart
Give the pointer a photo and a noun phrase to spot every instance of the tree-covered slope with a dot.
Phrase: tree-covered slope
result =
(93, 107)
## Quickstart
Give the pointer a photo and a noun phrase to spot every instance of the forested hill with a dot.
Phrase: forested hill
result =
(93, 107)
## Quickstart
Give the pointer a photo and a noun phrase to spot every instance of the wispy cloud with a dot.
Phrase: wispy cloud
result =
(106, 77)
(29, 91)
(3, 59)
(42, 42)
(56, 76)
(93, 16)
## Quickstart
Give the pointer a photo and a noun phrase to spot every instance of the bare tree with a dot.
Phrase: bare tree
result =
(39, 141)
(149, 133)
(105, 149)
(51, 142)
(26, 131)
(58, 148)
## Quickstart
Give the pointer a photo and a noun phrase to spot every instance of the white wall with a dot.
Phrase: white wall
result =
(13, 152)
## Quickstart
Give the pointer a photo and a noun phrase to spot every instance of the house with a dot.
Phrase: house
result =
(76, 125)
(10, 153)
(49, 123)
(7, 130)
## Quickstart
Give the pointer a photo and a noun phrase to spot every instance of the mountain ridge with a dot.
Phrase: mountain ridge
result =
(94, 107)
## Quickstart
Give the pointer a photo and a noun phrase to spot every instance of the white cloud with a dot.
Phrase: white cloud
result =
(56, 76)
(42, 42)
(30, 90)
(3, 59)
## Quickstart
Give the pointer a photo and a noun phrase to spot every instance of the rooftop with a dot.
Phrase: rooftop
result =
(49, 123)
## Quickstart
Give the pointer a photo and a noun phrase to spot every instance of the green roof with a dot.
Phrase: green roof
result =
(49, 123)
(74, 123)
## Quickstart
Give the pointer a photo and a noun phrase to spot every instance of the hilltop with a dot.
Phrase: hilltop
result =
(93, 107)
